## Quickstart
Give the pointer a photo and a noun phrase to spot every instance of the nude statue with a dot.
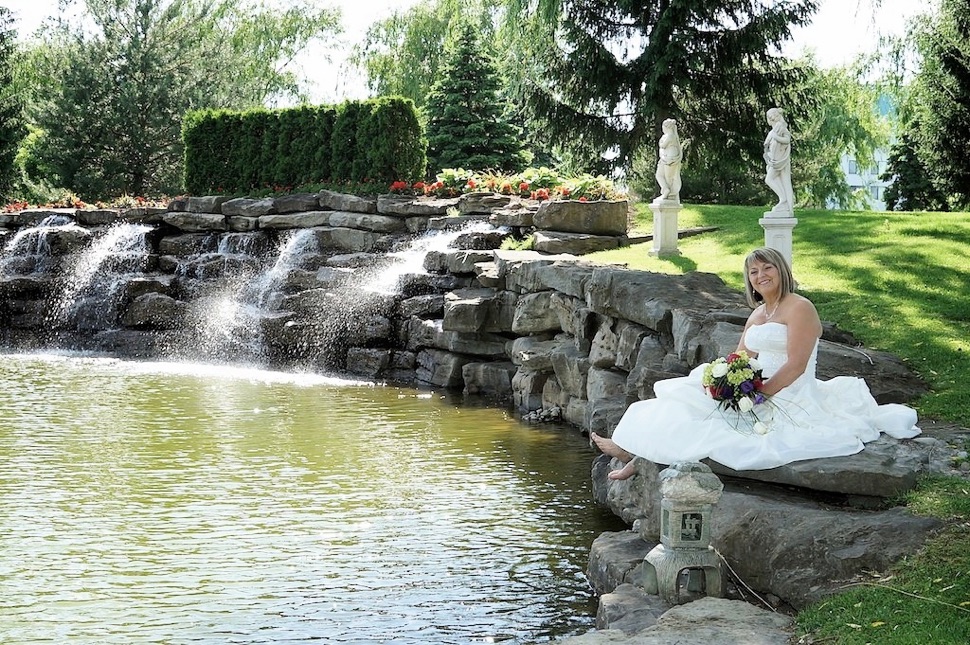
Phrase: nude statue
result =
(777, 154)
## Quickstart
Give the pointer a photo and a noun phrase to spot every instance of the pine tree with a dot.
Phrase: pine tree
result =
(911, 188)
(466, 127)
(11, 109)
(606, 73)
(942, 100)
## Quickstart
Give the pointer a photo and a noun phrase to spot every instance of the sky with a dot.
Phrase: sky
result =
(841, 30)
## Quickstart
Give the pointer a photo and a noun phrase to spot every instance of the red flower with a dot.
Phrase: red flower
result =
(583, 199)
(524, 186)
(732, 357)
(471, 183)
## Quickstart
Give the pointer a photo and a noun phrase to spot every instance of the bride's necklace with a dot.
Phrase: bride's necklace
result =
(770, 315)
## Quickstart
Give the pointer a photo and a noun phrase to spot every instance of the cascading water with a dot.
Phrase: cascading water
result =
(387, 277)
(229, 318)
(90, 295)
(29, 250)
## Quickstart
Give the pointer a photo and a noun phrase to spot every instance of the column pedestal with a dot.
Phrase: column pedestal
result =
(778, 233)
(665, 226)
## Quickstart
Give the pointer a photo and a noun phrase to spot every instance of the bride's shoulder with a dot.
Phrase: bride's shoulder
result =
(801, 302)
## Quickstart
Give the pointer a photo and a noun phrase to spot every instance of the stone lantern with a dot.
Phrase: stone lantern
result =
(689, 491)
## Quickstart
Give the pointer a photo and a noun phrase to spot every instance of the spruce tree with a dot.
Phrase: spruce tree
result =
(942, 100)
(604, 74)
(466, 127)
(11, 109)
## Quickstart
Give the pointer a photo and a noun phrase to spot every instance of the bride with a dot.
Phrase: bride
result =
(805, 418)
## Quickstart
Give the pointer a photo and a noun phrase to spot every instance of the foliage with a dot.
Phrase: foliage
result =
(841, 114)
(532, 183)
(402, 55)
(941, 99)
(144, 63)
(11, 109)
(465, 114)
(602, 75)
(911, 188)
(238, 152)
(856, 270)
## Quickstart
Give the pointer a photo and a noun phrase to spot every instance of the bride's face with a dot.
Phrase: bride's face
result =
(763, 277)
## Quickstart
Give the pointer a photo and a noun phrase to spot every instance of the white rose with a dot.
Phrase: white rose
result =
(754, 364)
(760, 428)
(745, 404)
(719, 370)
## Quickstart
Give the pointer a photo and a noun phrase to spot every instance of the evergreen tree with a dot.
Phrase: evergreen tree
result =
(942, 100)
(11, 112)
(111, 92)
(466, 127)
(911, 188)
(604, 74)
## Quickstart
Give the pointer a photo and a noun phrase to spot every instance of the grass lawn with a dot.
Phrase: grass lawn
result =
(900, 282)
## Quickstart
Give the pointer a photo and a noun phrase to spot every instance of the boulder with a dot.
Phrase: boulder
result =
(591, 218)
(412, 206)
(555, 242)
(648, 298)
(794, 546)
(249, 208)
(156, 311)
(482, 203)
(441, 368)
(429, 333)
(527, 385)
(479, 310)
(491, 380)
(367, 222)
(206, 204)
(192, 222)
(308, 219)
(343, 202)
(533, 314)
(97, 217)
(296, 202)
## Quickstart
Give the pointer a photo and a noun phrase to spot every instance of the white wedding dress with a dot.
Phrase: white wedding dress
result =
(808, 419)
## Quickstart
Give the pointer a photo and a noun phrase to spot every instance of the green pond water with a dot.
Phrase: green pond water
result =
(173, 503)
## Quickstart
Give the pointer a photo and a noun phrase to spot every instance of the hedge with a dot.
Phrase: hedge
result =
(232, 152)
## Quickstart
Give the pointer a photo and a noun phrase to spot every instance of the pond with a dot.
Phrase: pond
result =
(175, 503)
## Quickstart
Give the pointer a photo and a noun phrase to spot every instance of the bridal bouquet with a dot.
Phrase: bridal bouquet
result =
(735, 383)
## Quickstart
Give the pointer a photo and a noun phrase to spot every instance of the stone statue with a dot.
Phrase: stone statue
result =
(778, 161)
(668, 162)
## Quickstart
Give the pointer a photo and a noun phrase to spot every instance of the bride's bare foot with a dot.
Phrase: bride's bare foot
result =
(628, 471)
(609, 447)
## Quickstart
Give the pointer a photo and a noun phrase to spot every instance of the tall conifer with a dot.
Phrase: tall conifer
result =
(466, 126)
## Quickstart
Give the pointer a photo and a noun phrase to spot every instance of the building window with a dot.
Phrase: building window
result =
(853, 167)
(876, 192)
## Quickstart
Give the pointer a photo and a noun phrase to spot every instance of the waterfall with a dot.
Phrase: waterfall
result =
(228, 320)
(92, 288)
(29, 251)
(387, 277)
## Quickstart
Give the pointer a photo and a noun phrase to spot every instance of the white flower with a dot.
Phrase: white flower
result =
(754, 364)
(745, 404)
(720, 369)
(760, 428)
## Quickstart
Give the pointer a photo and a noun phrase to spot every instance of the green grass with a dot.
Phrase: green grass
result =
(925, 599)
(900, 283)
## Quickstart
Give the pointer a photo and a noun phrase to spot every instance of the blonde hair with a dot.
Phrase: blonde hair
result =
(773, 257)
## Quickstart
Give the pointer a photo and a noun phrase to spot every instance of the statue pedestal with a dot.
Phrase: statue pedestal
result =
(664, 226)
(778, 233)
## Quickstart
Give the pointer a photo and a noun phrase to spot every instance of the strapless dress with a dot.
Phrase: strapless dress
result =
(806, 420)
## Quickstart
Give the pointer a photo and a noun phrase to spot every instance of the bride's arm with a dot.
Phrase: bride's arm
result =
(804, 329)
